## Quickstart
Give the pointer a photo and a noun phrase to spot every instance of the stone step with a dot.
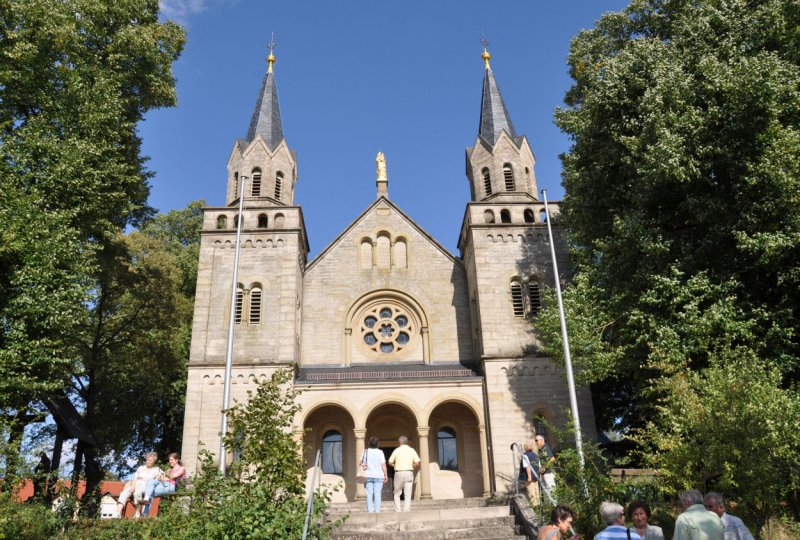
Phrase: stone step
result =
(479, 533)
(361, 506)
(348, 526)
(427, 514)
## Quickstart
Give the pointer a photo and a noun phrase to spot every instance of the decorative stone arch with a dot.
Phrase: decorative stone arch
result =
(475, 407)
(386, 294)
(388, 399)
(301, 417)
(325, 416)
(463, 415)
(545, 411)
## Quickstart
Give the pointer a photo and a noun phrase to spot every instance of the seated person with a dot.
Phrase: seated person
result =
(166, 483)
(136, 486)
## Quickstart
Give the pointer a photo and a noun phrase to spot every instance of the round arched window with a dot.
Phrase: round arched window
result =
(386, 328)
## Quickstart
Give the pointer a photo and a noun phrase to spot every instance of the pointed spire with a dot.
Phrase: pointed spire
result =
(494, 115)
(266, 119)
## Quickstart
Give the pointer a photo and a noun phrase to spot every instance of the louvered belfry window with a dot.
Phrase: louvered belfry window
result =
(516, 299)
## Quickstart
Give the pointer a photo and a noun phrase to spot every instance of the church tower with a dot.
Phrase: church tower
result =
(270, 278)
(503, 238)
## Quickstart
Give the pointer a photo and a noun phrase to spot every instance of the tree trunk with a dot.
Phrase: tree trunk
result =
(90, 502)
(76, 468)
(55, 464)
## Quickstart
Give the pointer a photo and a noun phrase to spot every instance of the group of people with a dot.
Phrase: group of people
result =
(150, 482)
(536, 467)
(405, 462)
(703, 518)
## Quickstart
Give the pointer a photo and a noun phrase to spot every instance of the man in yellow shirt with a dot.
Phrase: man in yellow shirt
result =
(405, 461)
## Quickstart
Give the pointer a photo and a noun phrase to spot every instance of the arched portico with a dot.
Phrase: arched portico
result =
(330, 429)
(458, 464)
(388, 421)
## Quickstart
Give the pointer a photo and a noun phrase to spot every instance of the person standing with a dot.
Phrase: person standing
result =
(614, 516)
(638, 513)
(529, 472)
(405, 461)
(560, 525)
(735, 529)
(546, 470)
(695, 522)
(376, 474)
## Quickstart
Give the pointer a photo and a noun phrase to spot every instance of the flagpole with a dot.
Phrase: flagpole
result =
(226, 393)
(573, 400)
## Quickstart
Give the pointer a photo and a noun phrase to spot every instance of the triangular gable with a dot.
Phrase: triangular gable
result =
(361, 217)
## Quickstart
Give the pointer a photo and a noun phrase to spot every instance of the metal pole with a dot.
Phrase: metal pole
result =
(226, 393)
(573, 400)
(310, 504)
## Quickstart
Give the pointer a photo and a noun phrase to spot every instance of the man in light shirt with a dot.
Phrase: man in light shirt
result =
(734, 528)
(405, 461)
(695, 522)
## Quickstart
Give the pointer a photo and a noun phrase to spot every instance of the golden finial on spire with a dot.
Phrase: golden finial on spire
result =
(486, 56)
(271, 57)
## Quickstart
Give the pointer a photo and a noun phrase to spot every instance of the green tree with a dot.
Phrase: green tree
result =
(43, 282)
(76, 76)
(134, 341)
(683, 210)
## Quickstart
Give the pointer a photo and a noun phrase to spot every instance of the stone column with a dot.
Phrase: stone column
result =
(361, 494)
(484, 460)
(297, 436)
(426, 345)
(424, 465)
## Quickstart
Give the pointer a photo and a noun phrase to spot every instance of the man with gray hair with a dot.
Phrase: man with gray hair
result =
(405, 461)
(614, 516)
(695, 522)
(734, 528)
(546, 475)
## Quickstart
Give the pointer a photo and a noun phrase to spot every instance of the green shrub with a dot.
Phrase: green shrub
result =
(23, 521)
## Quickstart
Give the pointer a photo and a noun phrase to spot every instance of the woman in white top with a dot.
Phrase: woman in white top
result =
(377, 476)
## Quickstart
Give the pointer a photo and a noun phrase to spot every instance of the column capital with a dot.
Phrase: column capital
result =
(481, 428)
(422, 431)
(359, 433)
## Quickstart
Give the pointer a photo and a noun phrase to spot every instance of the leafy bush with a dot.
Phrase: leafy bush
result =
(262, 497)
(584, 488)
(21, 521)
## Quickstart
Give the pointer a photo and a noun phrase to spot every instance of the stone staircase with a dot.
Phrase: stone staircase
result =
(450, 519)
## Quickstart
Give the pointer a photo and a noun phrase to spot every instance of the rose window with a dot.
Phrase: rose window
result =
(386, 329)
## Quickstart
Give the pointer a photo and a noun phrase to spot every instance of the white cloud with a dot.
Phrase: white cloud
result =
(181, 10)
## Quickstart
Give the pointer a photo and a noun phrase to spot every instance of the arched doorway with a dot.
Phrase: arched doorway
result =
(454, 447)
(388, 422)
(330, 429)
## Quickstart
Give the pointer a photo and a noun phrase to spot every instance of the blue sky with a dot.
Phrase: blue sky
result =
(355, 77)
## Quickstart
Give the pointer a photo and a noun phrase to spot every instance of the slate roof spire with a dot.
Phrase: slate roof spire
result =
(494, 115)
(266, 119)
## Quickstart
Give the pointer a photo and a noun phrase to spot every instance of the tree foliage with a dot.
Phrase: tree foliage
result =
(134, 341)
(683, 208)
(76, 76)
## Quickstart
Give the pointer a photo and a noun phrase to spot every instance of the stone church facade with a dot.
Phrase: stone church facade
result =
(389, 333)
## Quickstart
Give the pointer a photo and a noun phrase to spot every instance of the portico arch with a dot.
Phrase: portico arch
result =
(387, 421)
(456, 446)
(319, 428)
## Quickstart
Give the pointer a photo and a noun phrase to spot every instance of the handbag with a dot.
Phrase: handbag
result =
(361, 474)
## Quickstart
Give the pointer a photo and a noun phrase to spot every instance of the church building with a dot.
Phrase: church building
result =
(388, 332)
